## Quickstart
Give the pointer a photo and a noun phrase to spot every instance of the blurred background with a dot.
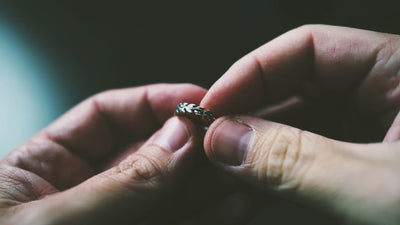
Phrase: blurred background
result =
(54, 54)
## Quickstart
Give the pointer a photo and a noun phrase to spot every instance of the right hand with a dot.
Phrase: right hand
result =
(336, 78)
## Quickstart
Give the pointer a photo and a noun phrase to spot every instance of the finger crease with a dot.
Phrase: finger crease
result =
(106, 119)
(308, 165)
(261, 73)
(149, 108)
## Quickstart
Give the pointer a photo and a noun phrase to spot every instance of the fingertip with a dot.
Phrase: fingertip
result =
(230, 94)
(163, 98)
(183, 158)
(208, 138)
(176, 133)
(230, 141)
(190, 128)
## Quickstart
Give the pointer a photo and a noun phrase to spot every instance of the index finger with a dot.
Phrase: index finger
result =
(335, 59)
(98, 125)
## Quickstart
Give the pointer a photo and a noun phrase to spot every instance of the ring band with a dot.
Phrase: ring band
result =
(195, 113)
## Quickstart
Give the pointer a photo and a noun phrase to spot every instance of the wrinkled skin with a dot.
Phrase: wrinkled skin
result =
(334, 81)
(108, 161)
(98, 165)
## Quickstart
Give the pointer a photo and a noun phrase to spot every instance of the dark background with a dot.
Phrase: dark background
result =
(98, 45)
(93, 46)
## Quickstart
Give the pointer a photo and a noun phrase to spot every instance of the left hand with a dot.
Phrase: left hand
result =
(104, 162)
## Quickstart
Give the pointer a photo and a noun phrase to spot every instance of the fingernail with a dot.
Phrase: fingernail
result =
(231, 141)
(173, 135)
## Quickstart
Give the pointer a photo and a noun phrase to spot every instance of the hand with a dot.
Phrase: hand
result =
(336, 81)
(98, 164)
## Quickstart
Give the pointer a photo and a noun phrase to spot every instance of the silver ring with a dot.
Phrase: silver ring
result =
(195, 113)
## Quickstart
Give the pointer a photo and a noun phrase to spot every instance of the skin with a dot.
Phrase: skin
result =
(110, 160)
(339, 82)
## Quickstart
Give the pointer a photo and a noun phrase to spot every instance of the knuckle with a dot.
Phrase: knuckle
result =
(142, 168)
(381, 86)
(280, 159)
(388, 49)
(98, 98)
(388, 55)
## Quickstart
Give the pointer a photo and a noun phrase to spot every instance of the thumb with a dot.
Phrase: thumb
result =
(283, 158)
(128, 191)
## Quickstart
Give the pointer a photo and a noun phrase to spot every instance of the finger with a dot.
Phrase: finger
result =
(344, 123)
(20, 186)
(93, 128)
(127, 192)
(333, 174)
(65, 153)
(51, 162)
(320, 60)
(290, 111)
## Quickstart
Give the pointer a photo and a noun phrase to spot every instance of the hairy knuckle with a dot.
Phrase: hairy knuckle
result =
(283, 152)
(388, 48)
(142, 168)
(381, 87)
(279, 157)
